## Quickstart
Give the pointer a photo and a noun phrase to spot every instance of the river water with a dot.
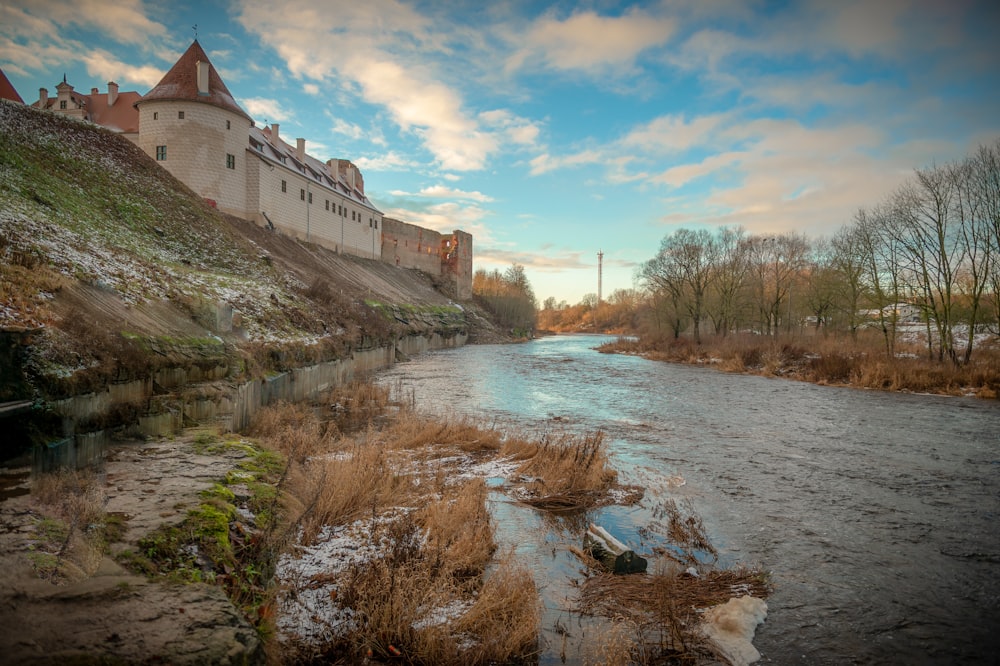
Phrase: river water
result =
(877, 514)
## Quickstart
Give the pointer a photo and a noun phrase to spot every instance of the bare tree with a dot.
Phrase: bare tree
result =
(847, 258)
(732, 254)
(685, 267)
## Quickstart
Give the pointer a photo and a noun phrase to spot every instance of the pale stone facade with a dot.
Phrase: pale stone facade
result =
(191, 125)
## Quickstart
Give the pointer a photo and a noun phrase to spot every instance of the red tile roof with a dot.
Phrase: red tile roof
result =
(181, 83)
(121, 117)
(7, 89)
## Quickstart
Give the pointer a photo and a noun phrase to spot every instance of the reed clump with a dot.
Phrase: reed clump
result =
(430, 591)
(566, 471)
(71, 538)
(663, 608)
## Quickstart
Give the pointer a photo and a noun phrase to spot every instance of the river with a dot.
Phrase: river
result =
(877, 514)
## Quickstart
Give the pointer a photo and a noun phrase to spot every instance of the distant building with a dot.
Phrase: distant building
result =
(113, 110)
(7, 90)
(193, 127)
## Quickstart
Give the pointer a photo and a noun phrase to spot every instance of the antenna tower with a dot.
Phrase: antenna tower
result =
(600, 269)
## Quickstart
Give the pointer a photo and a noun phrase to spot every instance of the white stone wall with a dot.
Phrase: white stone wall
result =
(197, 146)
(327, 227)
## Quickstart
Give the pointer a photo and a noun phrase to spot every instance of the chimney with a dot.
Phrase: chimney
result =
(43, 98)
(274, 135)
(300, 150)
(93, 91)
(202, 78)
(112, 93)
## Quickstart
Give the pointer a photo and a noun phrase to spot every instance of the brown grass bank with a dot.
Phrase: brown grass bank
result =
(836, 361)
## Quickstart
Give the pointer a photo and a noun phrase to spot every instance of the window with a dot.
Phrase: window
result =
(156, 115)
(310, 197)
(180, 115)
(352, 215)
(376, 223)
(62, 104)
(230, 161)
(161, 153)
(302, 195)
(328, 204)
(284, 186)
(227, 125)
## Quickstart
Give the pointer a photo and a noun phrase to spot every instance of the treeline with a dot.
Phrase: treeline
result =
(928, 255)
(509, 298)
(620, 313)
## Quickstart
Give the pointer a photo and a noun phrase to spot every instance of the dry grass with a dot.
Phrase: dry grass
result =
(860, 362)
(566, 471)
(663, 607)
(75, 530)
(426, 598)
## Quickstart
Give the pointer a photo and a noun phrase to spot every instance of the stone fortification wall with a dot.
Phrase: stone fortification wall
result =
(445, 255)
(280, 196)
(197, 146)
(409, 246)
(211, 400)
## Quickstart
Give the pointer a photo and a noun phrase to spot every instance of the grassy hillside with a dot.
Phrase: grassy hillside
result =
(110, 266)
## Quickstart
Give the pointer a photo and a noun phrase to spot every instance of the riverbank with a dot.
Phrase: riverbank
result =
(351, 529)
(860, 363)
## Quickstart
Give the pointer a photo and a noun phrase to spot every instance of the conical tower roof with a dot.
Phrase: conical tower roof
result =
(7, 90)
(181, 83)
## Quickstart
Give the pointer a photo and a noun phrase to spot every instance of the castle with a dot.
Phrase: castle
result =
(191, 125)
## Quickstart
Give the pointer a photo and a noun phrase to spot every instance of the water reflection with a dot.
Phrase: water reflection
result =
(876, 512)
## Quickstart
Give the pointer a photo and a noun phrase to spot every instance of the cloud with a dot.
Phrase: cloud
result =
(590, 42)
(673, 133)
(268, 109)
(382, 48)
(310, 89)
(446, 217)
(546, 261)
(124, 21)
(391, 161)
(442, 192)
(104, 66)
(545, 162)
(517, 130)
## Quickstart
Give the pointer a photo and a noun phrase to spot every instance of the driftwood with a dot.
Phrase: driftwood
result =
(612, 553)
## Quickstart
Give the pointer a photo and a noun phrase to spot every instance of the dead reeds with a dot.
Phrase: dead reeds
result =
(565, 472)
(664, 607)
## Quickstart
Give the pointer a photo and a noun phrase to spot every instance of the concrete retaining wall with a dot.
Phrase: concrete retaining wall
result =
(203, 400)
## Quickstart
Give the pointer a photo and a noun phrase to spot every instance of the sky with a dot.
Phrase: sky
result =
(552, 131)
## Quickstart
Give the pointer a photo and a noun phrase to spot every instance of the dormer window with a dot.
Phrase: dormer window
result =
(62, 104)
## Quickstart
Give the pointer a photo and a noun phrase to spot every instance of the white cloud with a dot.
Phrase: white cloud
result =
(391, 161)
(357, 44)
(310, 89)
(268, 109)
(590, 42)
(518, 130)
(124, 21)
(106, 67)
(442, 192)
(545, 162)
(673, 133)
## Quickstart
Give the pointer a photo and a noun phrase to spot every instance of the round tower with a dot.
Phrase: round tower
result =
(191, 125)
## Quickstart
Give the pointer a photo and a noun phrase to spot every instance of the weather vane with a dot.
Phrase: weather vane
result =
(195, 28)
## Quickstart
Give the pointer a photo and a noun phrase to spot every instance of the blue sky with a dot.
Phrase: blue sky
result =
(553, 130)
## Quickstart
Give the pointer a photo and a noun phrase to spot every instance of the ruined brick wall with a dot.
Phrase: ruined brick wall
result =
(446, 255)
(457, 263)
(410, 246)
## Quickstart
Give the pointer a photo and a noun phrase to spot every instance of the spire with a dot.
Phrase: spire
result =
(181, 83)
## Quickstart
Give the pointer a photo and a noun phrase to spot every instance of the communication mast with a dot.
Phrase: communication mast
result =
(600, 268)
